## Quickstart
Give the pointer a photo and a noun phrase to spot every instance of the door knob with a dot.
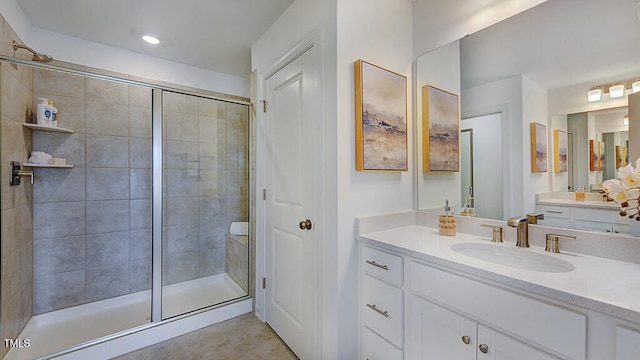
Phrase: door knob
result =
(466, 340)
(483, 348)
(306, 224)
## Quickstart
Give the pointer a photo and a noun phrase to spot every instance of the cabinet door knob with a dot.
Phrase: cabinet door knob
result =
(483, 348)
(466, 340)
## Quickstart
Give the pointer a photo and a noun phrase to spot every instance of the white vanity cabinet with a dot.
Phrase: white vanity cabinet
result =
(607, 220)
(410, 309)
(381, 305)
(437, 333)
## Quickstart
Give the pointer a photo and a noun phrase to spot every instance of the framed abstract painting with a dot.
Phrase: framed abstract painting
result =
(381, 118)
(440, 130)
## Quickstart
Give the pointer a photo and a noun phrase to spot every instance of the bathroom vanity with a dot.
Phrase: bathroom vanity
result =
(562, 210)
(427, 296)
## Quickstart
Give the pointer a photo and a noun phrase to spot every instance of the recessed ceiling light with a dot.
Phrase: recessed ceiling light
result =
(151, 40)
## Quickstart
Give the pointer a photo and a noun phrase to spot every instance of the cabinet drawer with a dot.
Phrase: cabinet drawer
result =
(382, 308)
(611, 216)
(627, 343)
(375, 347)
(382, 264)
(550, 326)
(554, 212)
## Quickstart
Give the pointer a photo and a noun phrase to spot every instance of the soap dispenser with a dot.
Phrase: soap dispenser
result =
(447, 222)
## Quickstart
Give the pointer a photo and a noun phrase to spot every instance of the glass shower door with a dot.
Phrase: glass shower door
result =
(205, 188)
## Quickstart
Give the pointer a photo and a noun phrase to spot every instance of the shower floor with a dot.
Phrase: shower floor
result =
(58, 330)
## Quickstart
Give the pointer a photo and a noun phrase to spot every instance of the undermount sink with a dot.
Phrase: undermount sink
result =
(520, 258)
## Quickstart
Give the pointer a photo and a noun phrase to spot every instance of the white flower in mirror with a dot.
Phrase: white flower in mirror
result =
(626, 190)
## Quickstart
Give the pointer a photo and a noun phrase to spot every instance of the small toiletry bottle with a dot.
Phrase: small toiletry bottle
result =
(44, 115)
(54, 114)
(447, 222)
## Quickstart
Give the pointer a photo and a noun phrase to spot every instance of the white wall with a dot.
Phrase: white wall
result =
(534, 109)
(378, 31)
(439, 68)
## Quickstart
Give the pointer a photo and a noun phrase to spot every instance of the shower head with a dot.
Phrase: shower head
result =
(36, 55)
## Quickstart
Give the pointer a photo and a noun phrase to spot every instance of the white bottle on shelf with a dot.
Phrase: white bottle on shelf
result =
(45, 114)
(54, 114)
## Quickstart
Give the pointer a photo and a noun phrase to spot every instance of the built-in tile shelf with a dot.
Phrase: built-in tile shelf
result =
(47, 128)
(68, 166)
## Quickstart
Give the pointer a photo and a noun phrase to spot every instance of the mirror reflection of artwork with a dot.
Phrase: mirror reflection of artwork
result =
(593, 155)
(538, 148)
(621, 156)
(381, 118)
(441, 130)
(560, 149)
(601, 162)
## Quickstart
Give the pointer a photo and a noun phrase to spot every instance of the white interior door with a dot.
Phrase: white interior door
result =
(291, 246)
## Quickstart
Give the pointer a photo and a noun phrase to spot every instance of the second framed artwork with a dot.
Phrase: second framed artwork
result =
(560, 151)
(440, 130)
(381, 118)
(538, 148)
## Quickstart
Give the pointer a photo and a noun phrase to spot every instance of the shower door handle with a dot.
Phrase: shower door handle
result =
(306, 224)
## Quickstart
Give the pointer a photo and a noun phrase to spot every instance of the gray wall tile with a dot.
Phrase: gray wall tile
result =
(107, 249)
(140, 244)
(59, 185)
(140, 214)
(107, 151)
(140, 183)
(182, 239)
(140, 153)
(107, 183)
(106, 119)
(58, 291)
(106, 91)
(53, 256)
(139, 275)
(140, 122)
(58, 219)
(107, 281)
(105, 216)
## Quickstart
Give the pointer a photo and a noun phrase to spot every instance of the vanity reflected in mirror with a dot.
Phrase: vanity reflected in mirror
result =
(535, 67)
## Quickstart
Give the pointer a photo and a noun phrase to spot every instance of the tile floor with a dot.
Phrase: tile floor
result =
(243, 337)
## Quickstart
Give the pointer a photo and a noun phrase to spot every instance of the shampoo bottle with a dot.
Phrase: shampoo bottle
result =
(44, 115)
(54, 114)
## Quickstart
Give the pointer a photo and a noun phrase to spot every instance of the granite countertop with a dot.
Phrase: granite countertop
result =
(608, 286)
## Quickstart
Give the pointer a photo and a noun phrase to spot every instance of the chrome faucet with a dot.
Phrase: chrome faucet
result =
(522, 226)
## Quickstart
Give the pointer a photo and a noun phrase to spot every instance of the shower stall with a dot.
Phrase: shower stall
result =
(127, 228)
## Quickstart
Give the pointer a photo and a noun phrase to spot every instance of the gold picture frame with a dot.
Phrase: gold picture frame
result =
(440, 130)
(381, 118)
(539, 148)
(560, 151)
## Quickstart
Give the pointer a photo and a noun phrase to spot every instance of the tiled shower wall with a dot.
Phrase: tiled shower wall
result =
(206, 182)
(92, 223)
(17, 226)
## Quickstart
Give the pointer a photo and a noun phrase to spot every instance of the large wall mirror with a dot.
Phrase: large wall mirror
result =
(535, 67)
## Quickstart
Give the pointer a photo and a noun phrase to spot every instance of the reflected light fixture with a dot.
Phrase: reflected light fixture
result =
(635, 86)
(616, 91)
(151, 40)
(625, 120)
(594, 94)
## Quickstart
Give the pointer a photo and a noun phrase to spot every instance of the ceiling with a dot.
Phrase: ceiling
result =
(556, 44)
(209, 34)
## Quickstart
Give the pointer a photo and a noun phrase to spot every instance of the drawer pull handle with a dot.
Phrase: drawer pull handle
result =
(372, 262)
(374, 308)
(554, 212)
(483, 348)
(466, 340)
